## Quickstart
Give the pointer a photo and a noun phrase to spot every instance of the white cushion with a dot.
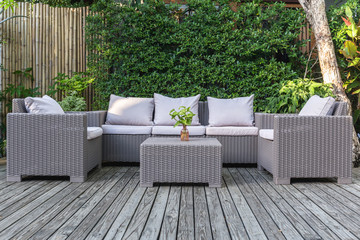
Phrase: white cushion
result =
(130, 111)
(170, 130)
(232, 131)
(163, 106)
(126, 129)
(317, 106)
(94, 132)
(267, 134)
(44, 105)
(231, 112)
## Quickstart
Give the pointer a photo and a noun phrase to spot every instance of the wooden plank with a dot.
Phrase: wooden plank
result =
(61, 202)
(152, 229)
(328, 220)
(72, 223)
(85, 227)
(201, 212)
(323, 230)
(141, 214)
(61, 218)
(186, 215)
(294, 217)
(120, 224)
(14, 190)
(218, 224)
(10, 205)
(232, 217)
(170, 222)
(268, 225)
(16, 216)
(285, 226)
(250, 222)
(103, 225)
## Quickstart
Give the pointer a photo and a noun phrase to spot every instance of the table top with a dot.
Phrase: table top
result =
(161, 141)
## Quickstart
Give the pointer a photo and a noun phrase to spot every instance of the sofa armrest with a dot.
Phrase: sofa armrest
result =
(304, 144)
(94, 118)
(266, 120)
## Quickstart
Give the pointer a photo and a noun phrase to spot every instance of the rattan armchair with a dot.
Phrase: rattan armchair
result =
(306, 146)
(51, 144)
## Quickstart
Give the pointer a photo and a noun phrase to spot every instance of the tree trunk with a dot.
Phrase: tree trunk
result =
(316, 15)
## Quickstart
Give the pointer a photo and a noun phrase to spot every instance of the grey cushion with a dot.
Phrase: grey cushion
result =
(163, 106)
(231, 112)
(267, 134)
(317, 106)
(94, 132)
(126, 129)
(44, 105)
(232, 131)
(130, 111)
(170, 130)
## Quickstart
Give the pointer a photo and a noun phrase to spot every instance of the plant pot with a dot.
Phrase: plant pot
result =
(184, 134)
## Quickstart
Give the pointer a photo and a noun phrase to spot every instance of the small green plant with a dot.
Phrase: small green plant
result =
(294, 94)
(73, 85)
(73, 103)
(184, 116)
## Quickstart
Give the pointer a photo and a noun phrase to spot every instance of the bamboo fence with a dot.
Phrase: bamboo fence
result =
(49, 40)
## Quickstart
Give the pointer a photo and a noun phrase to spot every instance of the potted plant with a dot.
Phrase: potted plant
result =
(184, 116)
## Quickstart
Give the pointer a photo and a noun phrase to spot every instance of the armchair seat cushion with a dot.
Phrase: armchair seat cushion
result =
(267, 134)
(170, 130)
(94, 132)
(232, 131)
(126, 129)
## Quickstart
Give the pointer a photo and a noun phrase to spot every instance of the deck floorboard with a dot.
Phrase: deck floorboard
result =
(112, 205)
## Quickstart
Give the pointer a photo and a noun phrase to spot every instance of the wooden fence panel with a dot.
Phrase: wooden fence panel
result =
(50, 41)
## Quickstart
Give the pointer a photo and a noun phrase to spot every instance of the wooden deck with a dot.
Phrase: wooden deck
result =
(111, 205)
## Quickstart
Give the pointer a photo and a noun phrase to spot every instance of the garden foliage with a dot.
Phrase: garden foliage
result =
(202, 48)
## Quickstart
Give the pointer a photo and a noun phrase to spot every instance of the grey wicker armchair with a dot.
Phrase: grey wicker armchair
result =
(51, 144)
(306, 146)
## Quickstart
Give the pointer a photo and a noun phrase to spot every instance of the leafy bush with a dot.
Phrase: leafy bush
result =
(74, 85)
(294, 94)
(205, 49)
(73, 103)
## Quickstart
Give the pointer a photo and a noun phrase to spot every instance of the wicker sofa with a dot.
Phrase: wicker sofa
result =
(306, 146)
(124, 145)
(51, 144)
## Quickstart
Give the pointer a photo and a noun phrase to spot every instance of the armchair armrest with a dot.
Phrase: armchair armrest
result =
(308, 146)
(94, 118)
(266, 120)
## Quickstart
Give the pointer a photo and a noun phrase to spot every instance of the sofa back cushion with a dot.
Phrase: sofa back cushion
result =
(163, 106)
(44, 105)
(317, 106)
(231, 112)
(130, 111)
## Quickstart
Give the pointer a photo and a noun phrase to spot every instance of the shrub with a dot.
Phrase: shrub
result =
(205, 49)
(73, 103)
(294, 94)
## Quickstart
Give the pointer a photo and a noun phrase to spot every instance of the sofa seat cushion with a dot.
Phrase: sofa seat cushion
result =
(267, 134)
(94, 132)
(126, 129)
(232, 131)
(171, 130)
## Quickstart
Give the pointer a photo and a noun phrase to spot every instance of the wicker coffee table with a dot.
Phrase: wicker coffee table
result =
(169, 160)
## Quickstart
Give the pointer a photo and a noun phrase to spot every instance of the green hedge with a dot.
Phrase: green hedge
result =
(207, 49)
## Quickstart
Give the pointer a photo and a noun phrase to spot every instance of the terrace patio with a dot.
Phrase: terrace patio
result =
(112, 205)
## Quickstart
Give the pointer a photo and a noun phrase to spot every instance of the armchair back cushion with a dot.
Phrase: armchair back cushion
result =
(317, 106)
(130, 111)
(163, 106)
(44, 105)
(231, 112)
